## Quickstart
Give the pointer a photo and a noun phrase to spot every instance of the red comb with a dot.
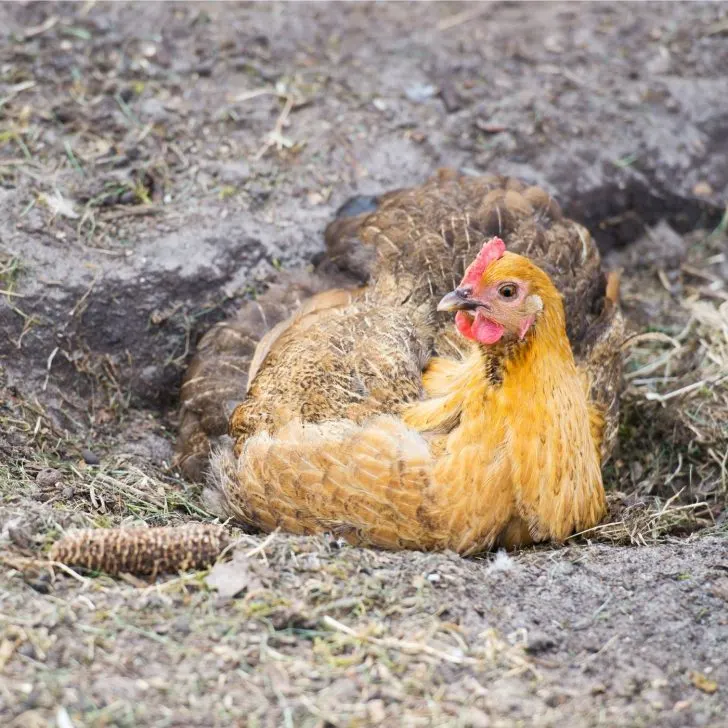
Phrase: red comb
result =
(489, 253)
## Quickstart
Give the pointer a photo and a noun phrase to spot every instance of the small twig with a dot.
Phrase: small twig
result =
(255, 93)
(68, 570)
(656, 397)
(180, 155)
(126, 110)
(15, 90)
(630, 341)
(262, 546)
(44, 27)
(12, 162)
(276, 137)
(722, 464)
(697, 273)
(651, 367)
(48, 368)
(404, 646)
(83, 298)
(129, 211)
(464, 16)
(600, 651)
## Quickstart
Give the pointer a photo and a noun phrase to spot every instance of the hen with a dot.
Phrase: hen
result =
(499, 446)
(498, 442)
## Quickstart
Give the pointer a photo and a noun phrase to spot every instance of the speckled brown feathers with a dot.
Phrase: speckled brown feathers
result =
(420, 241)
(350, 362)
(217, 377)
(142, 550)
(425, 236)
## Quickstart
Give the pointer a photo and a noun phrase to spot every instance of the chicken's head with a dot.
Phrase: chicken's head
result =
(500, 296)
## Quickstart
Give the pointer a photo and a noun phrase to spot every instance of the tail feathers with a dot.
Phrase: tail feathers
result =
(371, 484)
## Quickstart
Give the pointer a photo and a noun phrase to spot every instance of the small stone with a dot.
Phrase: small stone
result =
(719, 588)
(554, 699)
(40, 584)
(660, 63)
(553, 44)
(48, 477)
(90, 458)
(376, 710)
(416, 136)
(154, 110)
(181, 625)
(420, 92)
(702, 189)
(232, 172)
(20, 536)
(27, 649)
(539, 642)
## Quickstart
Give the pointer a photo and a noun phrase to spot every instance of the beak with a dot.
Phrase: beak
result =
(457, 300)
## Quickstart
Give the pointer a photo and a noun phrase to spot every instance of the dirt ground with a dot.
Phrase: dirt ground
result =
(159, 163)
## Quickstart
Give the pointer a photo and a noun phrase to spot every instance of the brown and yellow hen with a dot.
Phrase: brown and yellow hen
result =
(367, 415)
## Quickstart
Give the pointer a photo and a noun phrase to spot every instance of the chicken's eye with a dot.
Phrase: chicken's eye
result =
(509, 290)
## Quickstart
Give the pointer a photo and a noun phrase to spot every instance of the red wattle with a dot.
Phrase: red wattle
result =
(479, 329)
(464, 324)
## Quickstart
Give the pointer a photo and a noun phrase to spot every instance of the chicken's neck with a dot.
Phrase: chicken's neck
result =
(522, 442)
(545, 348)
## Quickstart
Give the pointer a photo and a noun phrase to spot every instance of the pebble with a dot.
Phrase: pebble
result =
(90, 458)
(420, 92)
(702, 189)
(48, 477)
(539, 642)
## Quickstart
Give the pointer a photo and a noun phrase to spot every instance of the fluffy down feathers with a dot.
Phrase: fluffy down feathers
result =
(217, 377)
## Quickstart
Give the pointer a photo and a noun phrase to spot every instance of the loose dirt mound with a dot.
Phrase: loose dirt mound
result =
(158, 164)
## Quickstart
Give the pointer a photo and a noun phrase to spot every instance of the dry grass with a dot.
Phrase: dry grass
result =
(669, 475)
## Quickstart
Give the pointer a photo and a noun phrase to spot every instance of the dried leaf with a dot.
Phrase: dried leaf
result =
(232, 577)
(703, 683)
